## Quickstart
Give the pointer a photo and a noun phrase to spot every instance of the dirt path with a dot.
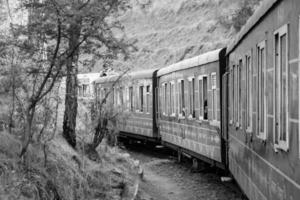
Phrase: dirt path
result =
(165, 179)
(156, 186)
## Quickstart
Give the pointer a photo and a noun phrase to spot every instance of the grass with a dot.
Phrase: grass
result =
(68, 174)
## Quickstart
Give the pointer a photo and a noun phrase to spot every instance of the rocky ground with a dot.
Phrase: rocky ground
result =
(165, 179)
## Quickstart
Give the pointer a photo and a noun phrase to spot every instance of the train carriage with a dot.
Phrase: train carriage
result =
(189, 109)
(133, 93)
(263, 102)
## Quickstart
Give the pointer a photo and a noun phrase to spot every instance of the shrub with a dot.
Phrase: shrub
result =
(241, 16)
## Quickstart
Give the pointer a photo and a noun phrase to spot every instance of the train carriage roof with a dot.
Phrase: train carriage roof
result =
(107, 79)
(147, 73)
(202, 59)
(258, 15)
(141, 74)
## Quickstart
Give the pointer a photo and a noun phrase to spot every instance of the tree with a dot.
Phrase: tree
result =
(50, 43)
(106, 112)
(91, 26)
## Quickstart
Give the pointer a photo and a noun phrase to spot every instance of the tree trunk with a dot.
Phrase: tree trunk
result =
(28, 131)
(69, 123)
(100, 131)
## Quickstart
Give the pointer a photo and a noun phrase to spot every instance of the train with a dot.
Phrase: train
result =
(236, 108)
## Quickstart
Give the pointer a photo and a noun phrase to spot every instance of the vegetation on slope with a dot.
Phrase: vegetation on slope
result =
(169, 31)
(65, 174)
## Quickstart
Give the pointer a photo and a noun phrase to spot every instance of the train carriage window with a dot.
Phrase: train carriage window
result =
(162, 102)
(261, 63)
(191, 97)
(249, 92)
(181, 105)
(203, 97)
(117, 95)
(131, 107)
(214, 96)
(79, 90)
(236, 94)
(200, 94)
(148, 99)
(126, 98)
(281, 137)
(172, 98)
(85, 89)
(240, 99)
(230, 96)
(165, 99)
(121, 96)
(141, 97)
(233, 94)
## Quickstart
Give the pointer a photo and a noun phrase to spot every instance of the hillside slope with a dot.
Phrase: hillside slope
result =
(172, 30)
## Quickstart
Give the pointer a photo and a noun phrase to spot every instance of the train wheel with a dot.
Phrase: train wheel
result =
(195, 166)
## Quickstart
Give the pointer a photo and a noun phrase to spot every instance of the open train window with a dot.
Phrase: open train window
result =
(148, 99)
(214, 98)
(248, 99)
(165, 99)
(162, 99)
(281, 133)
(261, 66)
(86, 90)
(172, 98)
(121, 98)
(130, 90)
(80, 91)
(141, 96)
(181, 104)
(191, 97)
(203, 98)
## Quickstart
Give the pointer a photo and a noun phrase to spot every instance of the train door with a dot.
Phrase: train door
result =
(224, 124)
(205, 98)
(155, 105)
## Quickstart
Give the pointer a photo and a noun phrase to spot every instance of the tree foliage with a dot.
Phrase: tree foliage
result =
(58, 34)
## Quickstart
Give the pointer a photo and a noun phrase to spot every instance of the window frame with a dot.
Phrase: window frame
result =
(232, 94)
(259, 134)
(191, 90)
(166, 99)
(283, 145)
(212, 102)
(180, 115)
(148, 98)
(200, 78)
(240, 96)
(173, 96)
(237, 95)
(131, 98)
(249, 77)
